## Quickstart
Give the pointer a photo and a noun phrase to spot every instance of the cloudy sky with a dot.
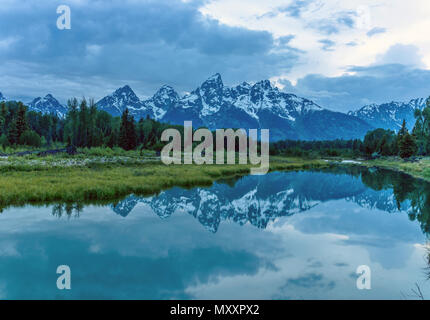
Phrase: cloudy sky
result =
(342, 54)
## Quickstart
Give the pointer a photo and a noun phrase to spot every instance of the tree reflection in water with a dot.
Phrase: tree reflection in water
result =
(69, 209)
(411, 195)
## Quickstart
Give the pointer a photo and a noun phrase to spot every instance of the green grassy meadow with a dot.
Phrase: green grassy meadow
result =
(102, 175)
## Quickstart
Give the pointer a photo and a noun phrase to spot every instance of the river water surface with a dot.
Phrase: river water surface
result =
(285, 235)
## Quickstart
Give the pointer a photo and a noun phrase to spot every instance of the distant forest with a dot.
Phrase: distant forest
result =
(376, 143)
(85, 126)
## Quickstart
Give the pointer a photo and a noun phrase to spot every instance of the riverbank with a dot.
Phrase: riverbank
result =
(102, 178)
(419, 169)
(102, 175)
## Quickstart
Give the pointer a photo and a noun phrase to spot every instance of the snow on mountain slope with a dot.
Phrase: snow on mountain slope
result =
(164, 99)
(257, 201)
(215, 106)
(249, 106)
(48, 105)
(390, 115)
(257, 106)
(123, 98)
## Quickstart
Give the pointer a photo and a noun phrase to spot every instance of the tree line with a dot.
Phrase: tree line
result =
(378, 142)
(328, 148)
(403, 143)
(84, 126)
(18, 126)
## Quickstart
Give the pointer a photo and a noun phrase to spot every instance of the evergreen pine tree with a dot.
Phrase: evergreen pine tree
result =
(3, 115)
(74, 122)
(19, 125)
(418, 132)
(403, 130)
(127, 132)
(407, 146)
(13, 136)
(21, 120)
(93, 139)
(113, 139)
(132, 135)
(122, 139)
(83, 124)
(400, 135)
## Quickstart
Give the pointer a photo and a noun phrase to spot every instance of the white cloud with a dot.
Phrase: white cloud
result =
(404, 22)
(7, 42)
(93, 49)
(408, 55)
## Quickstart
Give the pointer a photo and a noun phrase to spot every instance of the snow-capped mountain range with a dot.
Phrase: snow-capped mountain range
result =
(117, 102)
(260, 200)
(48, 105)
(249, 106)
(390, 115)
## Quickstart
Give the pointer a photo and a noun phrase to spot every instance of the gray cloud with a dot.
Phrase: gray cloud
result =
(331, 25)
(324, 26)
(352, 44)
(146, 44)
(285, 39)
(375, 31)
(311, 280)
(296, 8)
(335, 23)
(371, 84)
(327, 44)
(347, 18)
(402, 54)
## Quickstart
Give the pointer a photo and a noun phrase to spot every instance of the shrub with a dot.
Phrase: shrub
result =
(4, 142)
(407, 146)
(30, 138)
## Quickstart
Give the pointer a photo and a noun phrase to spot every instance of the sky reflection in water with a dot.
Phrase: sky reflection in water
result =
(295, 235)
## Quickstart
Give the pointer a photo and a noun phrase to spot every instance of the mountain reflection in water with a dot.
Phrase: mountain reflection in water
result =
(285, 235)
(259, 201)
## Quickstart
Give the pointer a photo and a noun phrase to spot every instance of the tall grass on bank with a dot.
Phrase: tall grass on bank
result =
(103, 181)
(420, 169)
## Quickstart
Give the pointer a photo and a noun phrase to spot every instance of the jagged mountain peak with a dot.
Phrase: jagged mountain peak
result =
(49, 97)
(262, 91)
(418, 103)
(390, 115)
(2, 97)
(242, 89)
(165, 98)
(263, 85)
(126, 95)
(121, 99)
(216, 78)
(244, 85)
(127, 92)
(259, 105)
(212, 84)
(48, 105)
(250, 202)
(165, 92)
